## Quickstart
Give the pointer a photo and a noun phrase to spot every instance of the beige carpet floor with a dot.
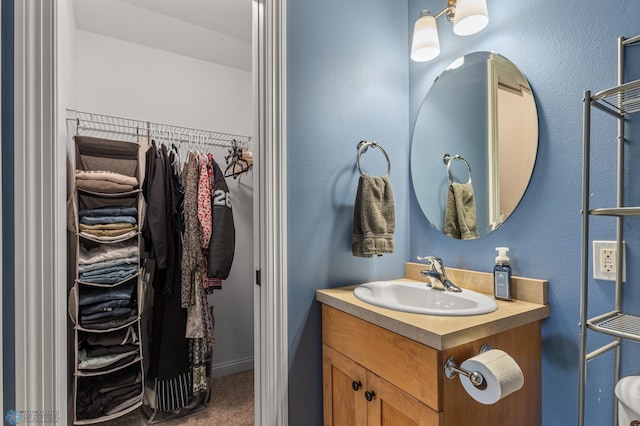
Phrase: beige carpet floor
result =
(231, 405)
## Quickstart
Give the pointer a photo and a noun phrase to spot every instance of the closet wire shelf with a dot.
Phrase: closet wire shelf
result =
(92, 124)
(617, 324)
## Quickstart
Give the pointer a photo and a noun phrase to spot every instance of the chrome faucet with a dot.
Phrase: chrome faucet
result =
(435, 273)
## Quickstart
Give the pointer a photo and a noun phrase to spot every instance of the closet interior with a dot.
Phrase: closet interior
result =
(154, 236)
(131, 65)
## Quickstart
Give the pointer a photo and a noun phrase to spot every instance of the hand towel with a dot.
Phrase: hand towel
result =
(374, 219)
(460, 215)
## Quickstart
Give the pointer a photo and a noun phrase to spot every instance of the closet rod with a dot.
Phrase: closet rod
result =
(92, 122)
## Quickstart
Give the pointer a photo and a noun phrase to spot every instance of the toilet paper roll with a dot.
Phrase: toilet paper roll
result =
(501, 373)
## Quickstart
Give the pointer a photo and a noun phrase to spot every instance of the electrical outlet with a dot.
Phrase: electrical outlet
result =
(608, 260)
(605, 260)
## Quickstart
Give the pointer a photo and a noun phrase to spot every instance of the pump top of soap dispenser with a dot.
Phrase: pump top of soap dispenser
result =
(502, 258)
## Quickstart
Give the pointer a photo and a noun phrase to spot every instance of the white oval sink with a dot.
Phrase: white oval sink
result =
(416, 297)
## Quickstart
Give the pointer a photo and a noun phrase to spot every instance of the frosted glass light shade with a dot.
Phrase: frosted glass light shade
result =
(425, 45)
(471, 16)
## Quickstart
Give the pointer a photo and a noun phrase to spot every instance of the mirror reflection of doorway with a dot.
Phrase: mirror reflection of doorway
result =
(513, 160)
(512, 131)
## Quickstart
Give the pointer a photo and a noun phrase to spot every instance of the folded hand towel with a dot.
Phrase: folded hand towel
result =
(460, 215)
(374, 218)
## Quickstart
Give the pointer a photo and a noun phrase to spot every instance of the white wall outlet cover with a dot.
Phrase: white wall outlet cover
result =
(605, 261)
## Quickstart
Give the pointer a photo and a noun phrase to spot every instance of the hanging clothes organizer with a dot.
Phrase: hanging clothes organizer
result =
(152, 239)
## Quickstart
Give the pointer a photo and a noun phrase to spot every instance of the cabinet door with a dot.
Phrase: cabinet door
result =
(343, 386)
(391, 406)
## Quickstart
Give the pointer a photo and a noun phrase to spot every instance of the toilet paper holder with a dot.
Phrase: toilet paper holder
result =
(451, 370)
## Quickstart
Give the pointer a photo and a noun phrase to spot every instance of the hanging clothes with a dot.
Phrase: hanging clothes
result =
(192, 274)
(192, 254)
(169, 348)
(205, 217)
(197, 208)
(189, 233)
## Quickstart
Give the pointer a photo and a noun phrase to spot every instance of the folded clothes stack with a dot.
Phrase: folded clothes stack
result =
(108, 394)
(106, 308)
(108, 361)
(104, 300)
(124, 336)
(108, 263)
(105, 181)
(108, 223)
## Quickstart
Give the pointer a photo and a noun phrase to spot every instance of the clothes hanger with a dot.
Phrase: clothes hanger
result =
(201, 145)
(175, 147)
(196, 146)
(172, 149)
(236, 163)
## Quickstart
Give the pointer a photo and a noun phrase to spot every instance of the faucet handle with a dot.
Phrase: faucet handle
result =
(434, 262)
(436, 274)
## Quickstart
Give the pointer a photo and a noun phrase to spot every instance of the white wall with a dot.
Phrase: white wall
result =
(127, 80)
(115, 77)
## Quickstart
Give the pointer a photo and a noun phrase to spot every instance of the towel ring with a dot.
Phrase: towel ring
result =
(364, 145)
(446, 159)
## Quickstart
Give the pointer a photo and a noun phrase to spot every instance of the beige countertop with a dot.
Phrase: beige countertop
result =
(440, 332)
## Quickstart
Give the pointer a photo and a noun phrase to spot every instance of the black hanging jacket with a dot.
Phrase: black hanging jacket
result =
(223, 233)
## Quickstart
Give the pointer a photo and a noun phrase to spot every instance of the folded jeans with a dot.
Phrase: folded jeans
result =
(109, 211)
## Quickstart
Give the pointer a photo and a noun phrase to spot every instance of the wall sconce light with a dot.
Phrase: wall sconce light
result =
(467, 16)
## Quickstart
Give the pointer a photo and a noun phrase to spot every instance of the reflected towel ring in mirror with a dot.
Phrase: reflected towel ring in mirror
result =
(362, 148)
(446, 159)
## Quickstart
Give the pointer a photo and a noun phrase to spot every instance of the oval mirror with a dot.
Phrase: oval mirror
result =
(474, 145)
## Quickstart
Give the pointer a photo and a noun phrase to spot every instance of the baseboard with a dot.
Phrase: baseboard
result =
(231, 367)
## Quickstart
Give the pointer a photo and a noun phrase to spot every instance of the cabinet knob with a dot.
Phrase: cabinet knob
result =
(356, 385)
(369, 395)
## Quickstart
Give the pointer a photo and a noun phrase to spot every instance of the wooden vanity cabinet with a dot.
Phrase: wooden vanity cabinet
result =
(357, 397)
(406, 381)
(344, 383)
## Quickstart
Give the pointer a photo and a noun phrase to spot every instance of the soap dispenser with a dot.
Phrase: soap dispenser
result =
(502, 275)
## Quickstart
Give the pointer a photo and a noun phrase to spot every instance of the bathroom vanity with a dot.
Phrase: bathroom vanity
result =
(382, 366)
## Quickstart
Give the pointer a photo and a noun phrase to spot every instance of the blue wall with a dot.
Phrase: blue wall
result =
(348, 79)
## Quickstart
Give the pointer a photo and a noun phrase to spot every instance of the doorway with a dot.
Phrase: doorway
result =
(43, 40)
(162, 62)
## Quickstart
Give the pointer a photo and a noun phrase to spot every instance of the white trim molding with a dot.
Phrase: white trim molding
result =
(40, 238)
(227, 368)
(270, 211)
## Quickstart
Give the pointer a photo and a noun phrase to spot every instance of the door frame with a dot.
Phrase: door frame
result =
(270, 212)
(39, 244)
(40, 191)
